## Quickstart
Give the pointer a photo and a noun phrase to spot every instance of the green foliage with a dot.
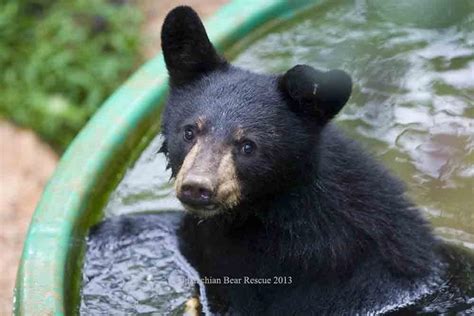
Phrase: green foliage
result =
(60, 59)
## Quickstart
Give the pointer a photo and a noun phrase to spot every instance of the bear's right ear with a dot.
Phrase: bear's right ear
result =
(317, 93)
(187, 50)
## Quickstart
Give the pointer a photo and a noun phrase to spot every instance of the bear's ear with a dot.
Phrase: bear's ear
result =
(187, 50)
(313, 92)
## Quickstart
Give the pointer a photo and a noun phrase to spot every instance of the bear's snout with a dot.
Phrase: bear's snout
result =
(207, 180)
(197, 191)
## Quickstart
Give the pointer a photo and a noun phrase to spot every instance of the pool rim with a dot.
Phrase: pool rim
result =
(96, 159)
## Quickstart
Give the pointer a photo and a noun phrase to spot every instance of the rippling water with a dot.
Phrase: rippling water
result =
(412, 106)
(134, 267)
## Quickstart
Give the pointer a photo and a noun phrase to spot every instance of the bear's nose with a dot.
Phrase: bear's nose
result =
(196, 191)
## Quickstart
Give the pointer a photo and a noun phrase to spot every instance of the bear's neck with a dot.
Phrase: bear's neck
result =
(303, 229)
(352, 209)
(347, 209)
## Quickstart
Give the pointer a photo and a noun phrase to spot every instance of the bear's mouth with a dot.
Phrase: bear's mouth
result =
(203, 211)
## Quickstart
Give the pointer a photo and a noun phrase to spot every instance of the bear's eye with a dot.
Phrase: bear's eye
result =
(247, 147)
(188, 133)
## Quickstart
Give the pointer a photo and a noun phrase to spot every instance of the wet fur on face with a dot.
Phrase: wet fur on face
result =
(219, 168)
(226, 110)
(280, 115)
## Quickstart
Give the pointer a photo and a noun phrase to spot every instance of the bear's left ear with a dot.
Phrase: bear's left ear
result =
(313, 92)
(187, 50)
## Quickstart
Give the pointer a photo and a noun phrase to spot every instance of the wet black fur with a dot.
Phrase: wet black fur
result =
(314, 205)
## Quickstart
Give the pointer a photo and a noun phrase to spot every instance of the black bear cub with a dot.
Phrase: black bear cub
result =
(285, 214)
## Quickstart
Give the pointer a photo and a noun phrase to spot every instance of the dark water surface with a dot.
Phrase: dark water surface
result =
(412, 106)
(132, 266)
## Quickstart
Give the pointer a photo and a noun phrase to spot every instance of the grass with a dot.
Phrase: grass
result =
(60, 59)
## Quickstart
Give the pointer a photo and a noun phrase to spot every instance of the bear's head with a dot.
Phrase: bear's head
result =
(234, 137)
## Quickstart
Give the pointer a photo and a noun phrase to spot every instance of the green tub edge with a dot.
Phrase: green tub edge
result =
(96, 160)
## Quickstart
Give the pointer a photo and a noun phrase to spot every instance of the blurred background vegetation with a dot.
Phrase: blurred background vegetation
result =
(60, 59)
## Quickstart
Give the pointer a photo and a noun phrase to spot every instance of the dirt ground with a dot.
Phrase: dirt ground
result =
(26, 163)
(25, 166)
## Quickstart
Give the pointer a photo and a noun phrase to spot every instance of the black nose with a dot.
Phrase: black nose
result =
(196, 191)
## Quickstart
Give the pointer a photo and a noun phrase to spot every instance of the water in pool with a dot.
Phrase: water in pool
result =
(412, 106)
